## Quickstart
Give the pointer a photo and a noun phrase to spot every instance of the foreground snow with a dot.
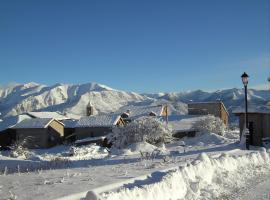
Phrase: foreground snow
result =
(204, 167)
(204, 178)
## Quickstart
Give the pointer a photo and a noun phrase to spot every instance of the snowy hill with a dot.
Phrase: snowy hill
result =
(72, 99)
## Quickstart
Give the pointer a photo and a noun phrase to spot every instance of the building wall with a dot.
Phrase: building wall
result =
(261, 126)
(224, 115)
(7, 137)
(41, 137)
(68, 131)
(204, 108)
(58, 127)
(82, 133)
(34, 138)
(165, 111)
(266, 125)
(215, 109)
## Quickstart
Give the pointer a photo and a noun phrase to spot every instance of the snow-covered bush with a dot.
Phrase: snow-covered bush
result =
(91, 151)
(210, 124)
(148, 129)
(18, 150)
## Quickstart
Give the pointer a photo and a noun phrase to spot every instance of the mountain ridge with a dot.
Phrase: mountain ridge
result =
(73, 98)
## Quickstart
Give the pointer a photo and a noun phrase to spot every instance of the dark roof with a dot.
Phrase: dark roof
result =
(11, 121)
(70, 123)
(34, 123)
(98, 121)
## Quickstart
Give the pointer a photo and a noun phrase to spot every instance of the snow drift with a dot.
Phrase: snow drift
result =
(204, 178)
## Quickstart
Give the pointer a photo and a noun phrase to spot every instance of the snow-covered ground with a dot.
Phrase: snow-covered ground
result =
(205, 167)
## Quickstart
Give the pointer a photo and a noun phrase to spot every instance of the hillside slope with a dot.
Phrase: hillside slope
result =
(73, 99)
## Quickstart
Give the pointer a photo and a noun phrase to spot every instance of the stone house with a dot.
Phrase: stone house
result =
(217, 109)
(39, 132)
(96, 125)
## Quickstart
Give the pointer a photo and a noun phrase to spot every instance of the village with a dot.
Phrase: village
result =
(39, 143)
(135, 100)
(47, 129)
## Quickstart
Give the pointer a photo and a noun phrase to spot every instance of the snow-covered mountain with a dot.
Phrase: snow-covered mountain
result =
(73, 99)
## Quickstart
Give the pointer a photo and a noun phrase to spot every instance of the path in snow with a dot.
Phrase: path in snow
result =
(258, 191)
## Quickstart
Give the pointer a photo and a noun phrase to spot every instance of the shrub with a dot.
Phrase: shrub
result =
(148, 129)
(18, 150)
(210, 124)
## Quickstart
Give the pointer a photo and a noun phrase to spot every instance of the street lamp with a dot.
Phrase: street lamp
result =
(245, 83)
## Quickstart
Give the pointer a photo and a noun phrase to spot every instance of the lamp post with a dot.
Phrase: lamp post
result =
(245, 83)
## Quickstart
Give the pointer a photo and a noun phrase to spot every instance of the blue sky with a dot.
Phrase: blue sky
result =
(136, 45)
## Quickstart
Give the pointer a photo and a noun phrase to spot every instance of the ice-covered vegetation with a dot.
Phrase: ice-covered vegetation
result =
(210, 124)
(147, 129)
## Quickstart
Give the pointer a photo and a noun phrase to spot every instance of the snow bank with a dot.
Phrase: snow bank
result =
(55, 158)
(206, 139)
(204, 178)
(91, 151)
(138, 148)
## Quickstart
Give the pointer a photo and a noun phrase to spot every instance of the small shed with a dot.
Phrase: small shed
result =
(97, 125)
(39, 132)
(258, 121)
(216, 108)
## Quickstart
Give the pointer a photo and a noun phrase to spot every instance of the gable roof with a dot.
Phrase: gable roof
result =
(70, 123)
(54, 115)
(35, 123)
(11, 121)
(140, 111)
(98, 121)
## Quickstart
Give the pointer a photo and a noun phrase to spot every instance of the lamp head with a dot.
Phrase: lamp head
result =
(245, 78)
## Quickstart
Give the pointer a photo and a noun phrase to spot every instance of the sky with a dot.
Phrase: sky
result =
(136, 45)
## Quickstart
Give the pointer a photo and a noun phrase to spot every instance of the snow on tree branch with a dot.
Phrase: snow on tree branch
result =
(148, 129)
(210, 124)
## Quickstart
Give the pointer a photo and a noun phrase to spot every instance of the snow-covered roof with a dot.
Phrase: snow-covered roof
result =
(72, 116)
(69, 123)
(34, 123)
(54, 115)
(98, 121)
(9, 122)
(140, 111)
(253, 109)
(182, 122)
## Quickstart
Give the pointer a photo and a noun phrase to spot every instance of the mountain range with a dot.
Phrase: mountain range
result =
(73, 99)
